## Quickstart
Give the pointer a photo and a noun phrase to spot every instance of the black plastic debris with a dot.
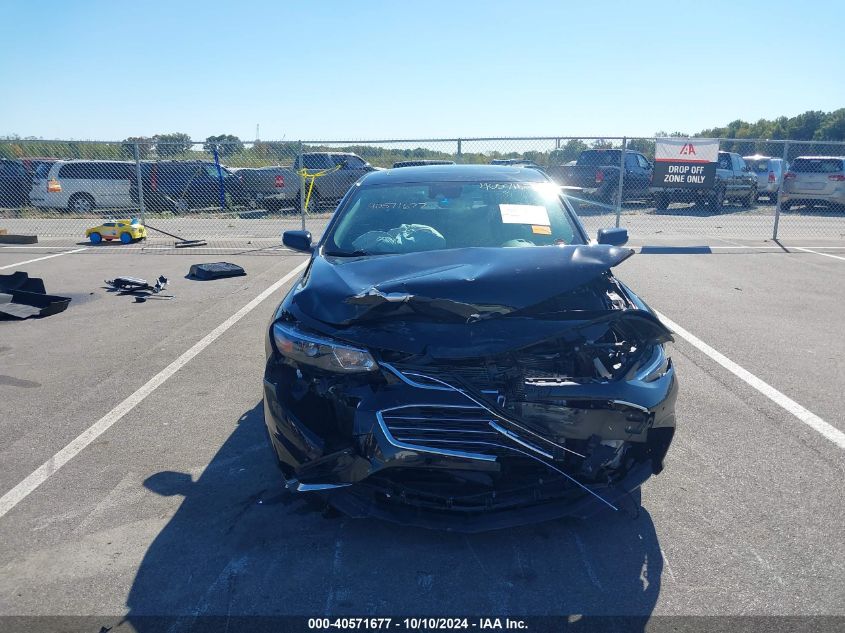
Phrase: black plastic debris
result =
(215, 270)
(22, 296)
(136, 285)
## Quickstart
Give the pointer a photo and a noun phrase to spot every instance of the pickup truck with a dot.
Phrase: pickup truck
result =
(595, 175)
(334, 185)
(734, 181)
(277, 187)
(273, 187)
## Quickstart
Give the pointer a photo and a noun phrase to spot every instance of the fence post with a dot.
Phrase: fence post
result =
(301, 186)
(780, 189)
(141, 204)
(621, 181)
(458, 156)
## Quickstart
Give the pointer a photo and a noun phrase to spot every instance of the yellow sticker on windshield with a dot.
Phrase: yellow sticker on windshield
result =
(541, 230)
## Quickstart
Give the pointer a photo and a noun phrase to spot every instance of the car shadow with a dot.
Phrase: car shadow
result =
(241, 545)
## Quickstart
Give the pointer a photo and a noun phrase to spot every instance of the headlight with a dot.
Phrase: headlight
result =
(320, 352)
(657, 367)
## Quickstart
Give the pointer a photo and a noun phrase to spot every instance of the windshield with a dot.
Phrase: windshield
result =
(408, 218)
(817, 165)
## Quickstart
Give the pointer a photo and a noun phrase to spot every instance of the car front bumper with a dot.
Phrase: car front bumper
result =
(428, 457)
(837, 198)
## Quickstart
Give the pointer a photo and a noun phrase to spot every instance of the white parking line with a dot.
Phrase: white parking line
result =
(807, 417)
(38, 259)
(52, 465)
(807, 250)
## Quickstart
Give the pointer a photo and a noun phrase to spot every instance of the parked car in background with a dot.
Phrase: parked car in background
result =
(32, 164)
(595, 175)
(15, 183)
(515, 162)
(734, 181)
(179, 186)
(347, 169)
(769, 172)
(271, 187)
(82, 185)
(814, 180)
(421, 163)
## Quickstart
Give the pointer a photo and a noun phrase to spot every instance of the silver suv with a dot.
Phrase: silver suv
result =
(769, 172)
(814, 180)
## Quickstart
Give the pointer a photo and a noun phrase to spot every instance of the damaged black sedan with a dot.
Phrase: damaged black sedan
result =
(457, 354)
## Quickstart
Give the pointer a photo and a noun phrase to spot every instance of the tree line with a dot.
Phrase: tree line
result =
(743, 137)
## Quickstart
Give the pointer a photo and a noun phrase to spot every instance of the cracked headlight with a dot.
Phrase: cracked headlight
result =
(310, 349)
(657, 367)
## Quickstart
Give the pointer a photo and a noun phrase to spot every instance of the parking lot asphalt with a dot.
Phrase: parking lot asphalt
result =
(177, 508)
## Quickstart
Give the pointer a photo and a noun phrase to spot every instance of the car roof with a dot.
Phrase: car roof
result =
(453, 173)
(821, 157)
(93, 160)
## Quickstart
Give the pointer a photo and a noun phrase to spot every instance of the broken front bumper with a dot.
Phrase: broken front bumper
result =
(417, 452)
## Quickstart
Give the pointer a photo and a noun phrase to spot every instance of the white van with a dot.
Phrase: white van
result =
(82, 185)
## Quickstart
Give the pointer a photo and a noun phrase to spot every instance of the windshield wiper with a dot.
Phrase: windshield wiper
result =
(339, 253)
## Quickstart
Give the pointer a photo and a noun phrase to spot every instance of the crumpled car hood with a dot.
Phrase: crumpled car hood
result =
(512, 277)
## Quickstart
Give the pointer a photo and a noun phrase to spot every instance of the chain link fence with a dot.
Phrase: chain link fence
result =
(243, 195)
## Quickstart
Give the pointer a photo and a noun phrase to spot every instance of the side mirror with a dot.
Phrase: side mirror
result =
(298, 240)
(614, 237)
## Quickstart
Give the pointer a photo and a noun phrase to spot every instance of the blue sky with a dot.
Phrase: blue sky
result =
(356, 70)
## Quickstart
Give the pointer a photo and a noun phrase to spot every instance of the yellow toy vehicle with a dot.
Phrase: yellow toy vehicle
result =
(125, 230)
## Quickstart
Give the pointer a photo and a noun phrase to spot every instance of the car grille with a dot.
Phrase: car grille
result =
(456, 428)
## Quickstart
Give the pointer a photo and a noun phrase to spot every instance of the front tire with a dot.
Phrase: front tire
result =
(785, 206)
(313, 203)
(126, 238)
(750, 199)
(717, 199)
(81, 203)
(180, 206)
(661, 201)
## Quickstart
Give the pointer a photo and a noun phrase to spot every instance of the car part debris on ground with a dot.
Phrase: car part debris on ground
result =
(22, 296)
(215, 270)
(128, 285)
(138, 288)
(182, 243)
(7, 238)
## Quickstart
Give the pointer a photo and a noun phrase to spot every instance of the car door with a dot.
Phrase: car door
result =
(201, 188)
(640, 174)
(110, 184)
(325, 185)
(351, 168)
(745, 178)
(725, 171)
(109, 230)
